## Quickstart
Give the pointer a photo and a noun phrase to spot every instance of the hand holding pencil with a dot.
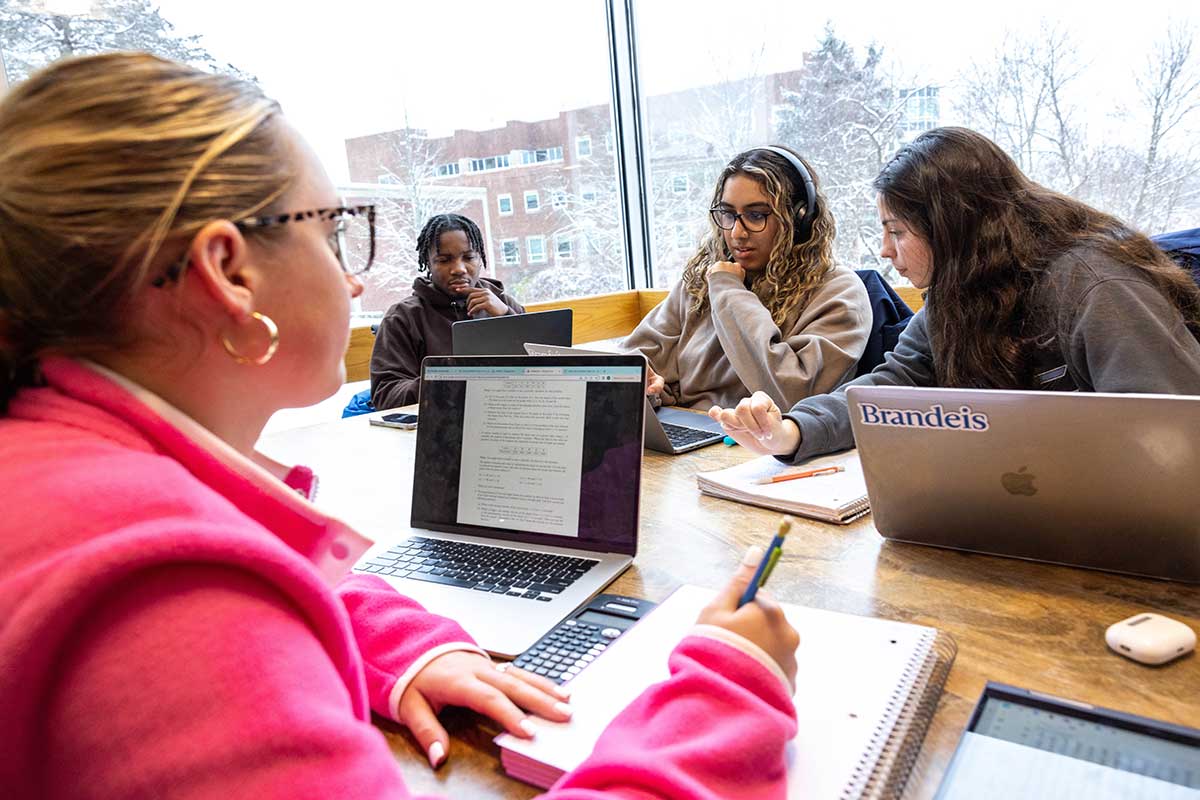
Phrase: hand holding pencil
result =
(762, 621)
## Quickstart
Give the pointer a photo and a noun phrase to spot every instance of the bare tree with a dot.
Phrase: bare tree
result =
(408, 168)
(1021, 100)
(32, 37)
(1169, 90)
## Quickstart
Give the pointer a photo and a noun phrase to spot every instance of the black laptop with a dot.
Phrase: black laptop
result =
(507, 335)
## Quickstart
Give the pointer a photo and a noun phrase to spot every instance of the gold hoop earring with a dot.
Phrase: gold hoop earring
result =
(272, 332)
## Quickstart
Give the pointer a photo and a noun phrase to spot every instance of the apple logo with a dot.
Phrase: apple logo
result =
(1020, 482)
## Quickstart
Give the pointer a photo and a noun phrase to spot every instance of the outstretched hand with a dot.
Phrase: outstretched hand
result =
(757, 424)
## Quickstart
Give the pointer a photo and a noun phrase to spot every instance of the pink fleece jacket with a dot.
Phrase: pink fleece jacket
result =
(178, 621)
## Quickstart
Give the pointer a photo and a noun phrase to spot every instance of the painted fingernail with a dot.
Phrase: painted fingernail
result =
(753, 555)
(437, 754)
(563, 709)
(528, 726)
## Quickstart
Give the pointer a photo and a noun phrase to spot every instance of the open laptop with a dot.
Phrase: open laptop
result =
(526, 488)
(507, 335)
(668, 430)
(1104, 481)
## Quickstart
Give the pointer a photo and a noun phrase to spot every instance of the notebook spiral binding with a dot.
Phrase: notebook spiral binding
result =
(883, 770)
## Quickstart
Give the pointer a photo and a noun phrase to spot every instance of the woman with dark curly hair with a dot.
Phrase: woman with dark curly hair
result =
(1027, 289)
(761, 306)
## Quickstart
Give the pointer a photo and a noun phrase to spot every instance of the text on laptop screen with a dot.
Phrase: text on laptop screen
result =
(550, 452)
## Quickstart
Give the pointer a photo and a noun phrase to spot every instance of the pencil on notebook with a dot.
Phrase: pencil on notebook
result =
(806, 473)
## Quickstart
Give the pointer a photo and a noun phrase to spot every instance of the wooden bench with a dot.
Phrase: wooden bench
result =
(601, 316)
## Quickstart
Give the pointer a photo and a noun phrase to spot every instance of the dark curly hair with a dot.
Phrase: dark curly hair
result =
(795, 269)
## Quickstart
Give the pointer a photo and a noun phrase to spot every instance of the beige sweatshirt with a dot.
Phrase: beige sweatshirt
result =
(734, 348)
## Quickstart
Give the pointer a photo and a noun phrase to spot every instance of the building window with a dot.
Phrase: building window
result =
(588, 195)
(583, 146)
(683, 236)
(510, 252)
(536, 246)
(544, 154)
(559, 199)
(488, 164)
(504, 204)
(532, 203)
(679, 184)
(609, 142)
(563, 247)
(388, 177)
(445, 170)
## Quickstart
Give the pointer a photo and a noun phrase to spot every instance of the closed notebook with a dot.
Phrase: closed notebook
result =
(866, 690)
(840, 497)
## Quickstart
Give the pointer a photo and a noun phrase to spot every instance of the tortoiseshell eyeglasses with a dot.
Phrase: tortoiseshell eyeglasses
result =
(352, 241)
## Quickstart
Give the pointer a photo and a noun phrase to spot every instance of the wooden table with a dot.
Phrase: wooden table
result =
(1032, 625)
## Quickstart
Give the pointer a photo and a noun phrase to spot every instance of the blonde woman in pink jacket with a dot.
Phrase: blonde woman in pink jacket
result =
(178, 620)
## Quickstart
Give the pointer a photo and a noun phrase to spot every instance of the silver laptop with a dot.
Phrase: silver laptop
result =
(668, 430)
(504, 336)
(526, 487)
(1104, 481)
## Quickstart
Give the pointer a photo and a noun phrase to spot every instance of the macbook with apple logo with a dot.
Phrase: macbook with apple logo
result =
(1103, 481)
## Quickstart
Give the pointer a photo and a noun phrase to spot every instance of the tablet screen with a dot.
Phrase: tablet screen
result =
(1022, 744)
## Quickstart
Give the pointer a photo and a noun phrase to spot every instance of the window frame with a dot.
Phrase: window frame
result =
(540, 238)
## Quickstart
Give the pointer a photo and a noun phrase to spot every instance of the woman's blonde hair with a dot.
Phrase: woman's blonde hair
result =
(795, 269)
(107, 164)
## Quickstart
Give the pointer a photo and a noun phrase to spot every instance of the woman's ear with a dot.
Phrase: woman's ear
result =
(219, 259)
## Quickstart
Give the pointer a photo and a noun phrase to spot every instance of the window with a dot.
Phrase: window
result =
(683, 236)
(559, 199)
(531, 202)
(510, 252)
(544, 154)
(488, 164)
(588, 195)
(583, 146)
(679, 184)
(563, 247)
(387, 177)
(536, 247)
(446, 170)
(504, 205)
(609, 142)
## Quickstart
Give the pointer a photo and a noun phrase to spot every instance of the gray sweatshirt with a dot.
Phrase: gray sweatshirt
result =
(734, 348)
(1109, 330)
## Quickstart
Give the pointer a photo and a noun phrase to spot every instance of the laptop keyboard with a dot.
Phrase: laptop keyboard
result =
(498, 570)
(681, 436)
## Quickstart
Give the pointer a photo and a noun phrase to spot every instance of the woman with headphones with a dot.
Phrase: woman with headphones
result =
(761, 305)
(1026, 288)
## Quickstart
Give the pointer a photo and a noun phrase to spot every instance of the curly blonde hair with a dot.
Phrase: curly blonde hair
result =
(794, 270)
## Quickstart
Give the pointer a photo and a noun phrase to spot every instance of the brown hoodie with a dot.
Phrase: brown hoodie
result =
(418, 326)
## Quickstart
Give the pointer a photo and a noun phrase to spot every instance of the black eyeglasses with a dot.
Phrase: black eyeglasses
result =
(753, 221)
(353, 241)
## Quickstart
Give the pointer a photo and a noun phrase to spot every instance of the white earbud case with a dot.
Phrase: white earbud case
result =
(1150, 638)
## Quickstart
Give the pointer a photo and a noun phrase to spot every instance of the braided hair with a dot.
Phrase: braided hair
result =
(442, 223)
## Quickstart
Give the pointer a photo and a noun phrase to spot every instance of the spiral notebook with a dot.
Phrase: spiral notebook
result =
(840, 497)
(867, 689)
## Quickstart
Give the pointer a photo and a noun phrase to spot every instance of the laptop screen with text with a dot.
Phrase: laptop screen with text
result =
(519, 449)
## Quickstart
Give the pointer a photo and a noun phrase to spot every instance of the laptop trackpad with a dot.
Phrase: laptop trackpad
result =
(688, 419)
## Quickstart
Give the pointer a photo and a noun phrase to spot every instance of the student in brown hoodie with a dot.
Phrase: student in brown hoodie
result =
(761, 306)
(450, 253)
